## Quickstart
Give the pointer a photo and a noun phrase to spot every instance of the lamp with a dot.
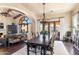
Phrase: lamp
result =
(43, 22)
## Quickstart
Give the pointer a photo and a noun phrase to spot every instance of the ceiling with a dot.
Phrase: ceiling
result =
(37, 8)
(7, 12)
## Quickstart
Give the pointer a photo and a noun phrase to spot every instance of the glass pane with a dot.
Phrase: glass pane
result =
(26, 18)
(25, 22)
(29, 27)
(24, 28)
(29, 21)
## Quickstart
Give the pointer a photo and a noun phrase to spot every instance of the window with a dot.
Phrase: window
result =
(26, 25)
(27, 20)
(74, 22)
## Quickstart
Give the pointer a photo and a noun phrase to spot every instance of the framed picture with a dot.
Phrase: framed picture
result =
(1, 25)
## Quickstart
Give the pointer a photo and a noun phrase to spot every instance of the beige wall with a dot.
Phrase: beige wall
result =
(75, 12)
(65, 25)
(6, 21)
(24, 10)
(75, 9)
(9, 20)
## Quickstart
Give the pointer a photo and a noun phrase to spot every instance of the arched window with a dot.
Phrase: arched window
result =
(27, 20)
(26, 25)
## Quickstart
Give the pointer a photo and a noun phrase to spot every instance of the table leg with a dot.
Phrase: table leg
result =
(35, 50)
(41, 51)
(27, 49)
(44, 51)
(7, 42)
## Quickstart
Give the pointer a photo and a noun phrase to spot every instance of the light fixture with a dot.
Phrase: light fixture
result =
(43, 21)
(43, 11)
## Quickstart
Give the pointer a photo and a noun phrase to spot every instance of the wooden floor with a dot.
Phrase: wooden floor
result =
(11, 49)
(16, 47)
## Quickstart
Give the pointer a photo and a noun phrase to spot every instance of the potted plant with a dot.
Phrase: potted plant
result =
(44, 33)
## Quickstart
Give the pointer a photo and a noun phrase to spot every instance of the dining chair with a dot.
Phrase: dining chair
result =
(33, 47)
(50, 46)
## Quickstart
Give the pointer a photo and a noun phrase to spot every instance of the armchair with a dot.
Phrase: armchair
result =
(68, 36)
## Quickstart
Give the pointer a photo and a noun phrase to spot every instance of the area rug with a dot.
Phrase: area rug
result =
(59, 49)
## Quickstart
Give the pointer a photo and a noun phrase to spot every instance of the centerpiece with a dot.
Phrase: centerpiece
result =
(44, 33)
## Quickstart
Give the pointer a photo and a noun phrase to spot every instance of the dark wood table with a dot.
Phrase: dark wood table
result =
(38, 42)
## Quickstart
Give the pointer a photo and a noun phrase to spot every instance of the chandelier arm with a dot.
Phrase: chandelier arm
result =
(43, 16)
(43, 11)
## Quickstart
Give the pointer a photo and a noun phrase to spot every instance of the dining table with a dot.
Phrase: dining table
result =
(38, 41)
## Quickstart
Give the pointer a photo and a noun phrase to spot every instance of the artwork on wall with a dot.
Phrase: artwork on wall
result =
(12, 29)
(1, 25)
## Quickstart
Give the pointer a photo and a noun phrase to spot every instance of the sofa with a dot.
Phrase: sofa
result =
(14, 38)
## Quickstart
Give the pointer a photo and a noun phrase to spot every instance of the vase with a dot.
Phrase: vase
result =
(44, 37)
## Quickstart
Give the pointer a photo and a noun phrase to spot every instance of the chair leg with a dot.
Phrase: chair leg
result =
(51, 52)
(35, 51)
(41, 51)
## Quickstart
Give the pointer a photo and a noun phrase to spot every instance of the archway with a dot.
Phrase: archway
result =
(10, 12)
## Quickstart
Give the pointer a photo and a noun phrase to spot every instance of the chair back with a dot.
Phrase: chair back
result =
(51, 42)
(68, 33)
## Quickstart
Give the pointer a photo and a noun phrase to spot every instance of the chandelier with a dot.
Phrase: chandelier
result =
(43, 11)
(43, 20)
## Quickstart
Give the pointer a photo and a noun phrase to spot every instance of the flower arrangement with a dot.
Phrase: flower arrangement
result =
(44, 32)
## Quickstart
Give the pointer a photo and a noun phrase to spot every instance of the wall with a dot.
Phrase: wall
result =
(9, 20)
(75, 9)
(65, 24)
(6, 21)
(23, 9)
(75, 17)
